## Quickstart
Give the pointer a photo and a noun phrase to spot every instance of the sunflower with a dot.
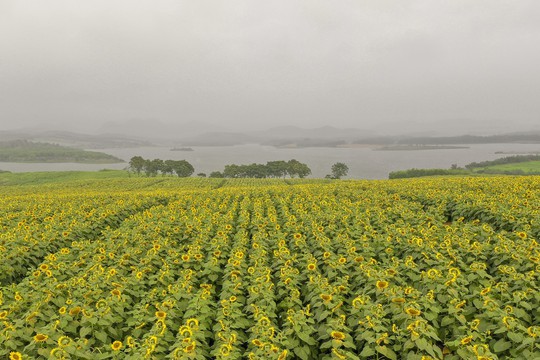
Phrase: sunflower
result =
(522, 235)
(466, 340)
(485, 291)
(225, 350)
(75, 311)
(161, 315)
(326, 297)
(185, 331)
(14, 355)
(64, 341)
(413, 312)
(40, 337)
(117, 345)
(190, 347)
(337, 335)
(130, 341)
(342, 260)
(297, 236)
(3, 314)
(311, 267)
(62, 310)
(192, 323)
(257, 343)
(283, 355)
(381, 284)
(398, 300)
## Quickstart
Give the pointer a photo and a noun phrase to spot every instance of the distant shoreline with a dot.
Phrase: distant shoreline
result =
(419, 147)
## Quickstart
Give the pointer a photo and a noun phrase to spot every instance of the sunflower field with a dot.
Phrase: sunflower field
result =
(163, 268)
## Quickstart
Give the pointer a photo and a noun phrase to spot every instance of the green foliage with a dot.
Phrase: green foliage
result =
(152, 168)
(32, 152)
(504, 160)
(412, 173)
(339, 170)
(272, 169)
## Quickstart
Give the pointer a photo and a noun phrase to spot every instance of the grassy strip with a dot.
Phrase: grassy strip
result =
(46, 177)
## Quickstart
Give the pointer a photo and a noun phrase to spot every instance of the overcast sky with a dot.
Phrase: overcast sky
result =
(248, 63)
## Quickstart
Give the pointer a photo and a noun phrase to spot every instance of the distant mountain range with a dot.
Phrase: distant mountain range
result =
(140, 133)
(75, 140)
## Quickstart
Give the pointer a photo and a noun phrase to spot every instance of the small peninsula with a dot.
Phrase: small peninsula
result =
(24, 151)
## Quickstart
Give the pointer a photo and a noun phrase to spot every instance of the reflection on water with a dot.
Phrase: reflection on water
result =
(363, 162)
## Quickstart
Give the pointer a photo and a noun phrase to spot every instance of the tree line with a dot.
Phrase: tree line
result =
(181, 168)
(272, 169)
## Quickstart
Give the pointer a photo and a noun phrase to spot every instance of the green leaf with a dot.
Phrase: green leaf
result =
(515, 337)
(85, 331)
(101, 336)
(301, 353)
(367, 352)
(501, 345)
(306, 338)
(389, 353)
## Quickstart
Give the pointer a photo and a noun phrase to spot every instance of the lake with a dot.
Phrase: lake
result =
(363, 162)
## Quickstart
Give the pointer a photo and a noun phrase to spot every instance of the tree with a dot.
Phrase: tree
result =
(136, 164)
(339, 170)
(182, 168)
(276, 169)
(232, 171)
(296, 168)
(167, 167)
(151, 167)
(216, 174)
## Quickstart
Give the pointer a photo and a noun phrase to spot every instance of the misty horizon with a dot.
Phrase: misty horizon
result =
(431, 67)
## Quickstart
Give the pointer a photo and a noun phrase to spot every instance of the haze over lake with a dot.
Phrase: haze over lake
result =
(363, 162)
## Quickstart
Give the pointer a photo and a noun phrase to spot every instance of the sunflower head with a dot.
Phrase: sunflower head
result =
(326, 297)
(117, 345)
(337, 335)
(413, 311)
(64, 341)
(466, 340)
(161, 315)
(257, 342)
(192, 323)
(40, 337)
(14, 355)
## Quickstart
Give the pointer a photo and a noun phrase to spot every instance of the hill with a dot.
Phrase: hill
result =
(25, 151)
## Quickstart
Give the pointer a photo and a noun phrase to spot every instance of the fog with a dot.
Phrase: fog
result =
(390, 66)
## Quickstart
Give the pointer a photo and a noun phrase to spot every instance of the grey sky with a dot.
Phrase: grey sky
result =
(347, 63)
